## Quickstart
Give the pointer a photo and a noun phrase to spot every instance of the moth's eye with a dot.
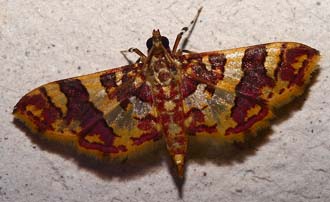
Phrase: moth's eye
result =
(165, 42)
(149, 43)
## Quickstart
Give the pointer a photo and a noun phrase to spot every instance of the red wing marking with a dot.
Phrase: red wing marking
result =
(197, 124)
(48, 115)
(286, 70)
(250, 88)
(209, 71)
(91, 119)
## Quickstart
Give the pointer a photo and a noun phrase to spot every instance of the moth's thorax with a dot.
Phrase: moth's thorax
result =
(163, 70)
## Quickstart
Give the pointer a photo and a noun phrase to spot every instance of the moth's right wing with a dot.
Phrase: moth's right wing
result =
(233, 92)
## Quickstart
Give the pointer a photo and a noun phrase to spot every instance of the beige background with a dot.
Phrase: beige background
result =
(43, 40)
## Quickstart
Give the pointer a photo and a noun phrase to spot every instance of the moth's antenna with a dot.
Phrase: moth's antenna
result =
(190, 28)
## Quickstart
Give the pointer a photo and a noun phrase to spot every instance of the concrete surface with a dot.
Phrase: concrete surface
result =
(43, 40)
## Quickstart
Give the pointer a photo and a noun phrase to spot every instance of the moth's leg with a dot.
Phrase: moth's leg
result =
(179, 52)
(126, 58)
(134, 50)
(178, 39)
(190, 27)
(188, 51)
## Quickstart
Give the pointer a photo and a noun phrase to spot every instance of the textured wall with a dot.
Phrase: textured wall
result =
(42, 41)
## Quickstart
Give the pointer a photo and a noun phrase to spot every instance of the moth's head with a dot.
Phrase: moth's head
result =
(157, 40)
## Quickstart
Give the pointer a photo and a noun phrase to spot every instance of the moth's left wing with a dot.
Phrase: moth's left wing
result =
(233, 92)
(105, 114)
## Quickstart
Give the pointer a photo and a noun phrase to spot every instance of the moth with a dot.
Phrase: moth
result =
(171, 95)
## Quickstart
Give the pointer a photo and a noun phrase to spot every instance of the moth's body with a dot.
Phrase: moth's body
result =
(223, 95)
(164, 78)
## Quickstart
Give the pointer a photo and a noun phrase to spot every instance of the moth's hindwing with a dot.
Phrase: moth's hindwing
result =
(233, 92)
(105, 114)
